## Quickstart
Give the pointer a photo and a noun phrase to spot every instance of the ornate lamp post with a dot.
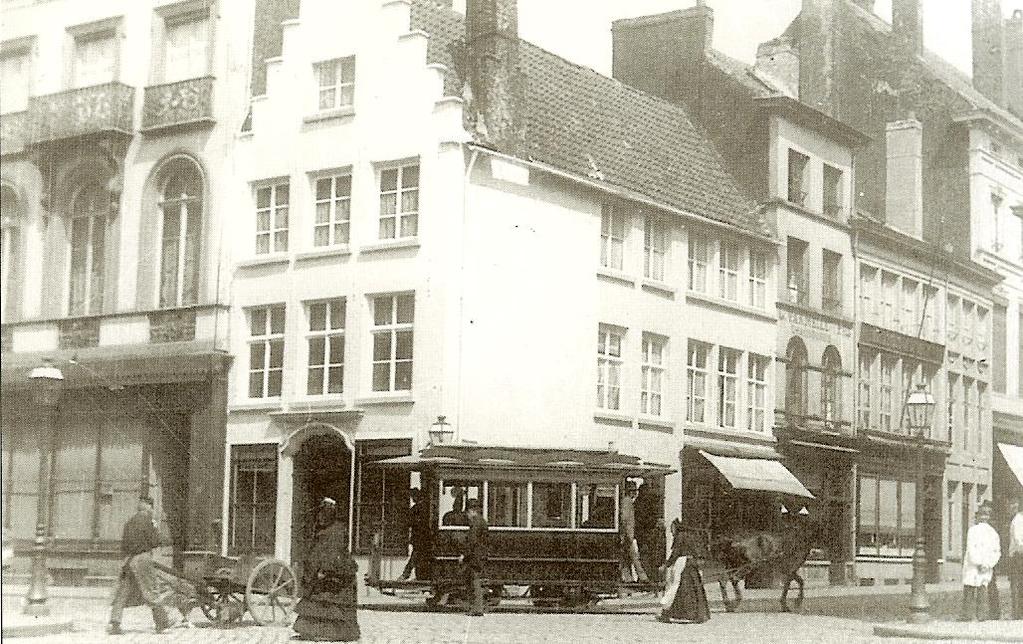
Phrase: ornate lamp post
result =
(920, 412)
(47, 384)
(440, 431)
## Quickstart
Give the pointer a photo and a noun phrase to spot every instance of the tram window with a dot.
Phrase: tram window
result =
(454, 495)
(595, 505)
(508, 504)
(552, 505)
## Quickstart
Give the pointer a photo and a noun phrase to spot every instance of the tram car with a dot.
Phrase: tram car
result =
(553, 519)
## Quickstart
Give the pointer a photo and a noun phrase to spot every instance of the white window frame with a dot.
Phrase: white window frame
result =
(728, 387)
(910, 299)
(698, 263)
(267, 338)
(757, 278)
(653, 374)
(182, 205)
(341, 87)
(86, 36)
(864, 394)
(338, 210)
(655, 247)
(612, 221)
(697, 369)
(393, 328)
(886, 392)
(608, 364)
(400, 216)
(177, 21)
(330, 334)
(729, 263)
(890, 289)
(757, 368)
(96, 218)
(273, 231)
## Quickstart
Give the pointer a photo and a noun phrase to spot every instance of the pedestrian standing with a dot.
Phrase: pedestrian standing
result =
(1016, 557)
(983, 550)
(420, 537)
(138, 582)
(630, 562)
(474, 556)
(684, 598)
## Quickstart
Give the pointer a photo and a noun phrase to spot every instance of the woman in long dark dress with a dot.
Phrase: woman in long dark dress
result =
(327, 610)
(684, 598)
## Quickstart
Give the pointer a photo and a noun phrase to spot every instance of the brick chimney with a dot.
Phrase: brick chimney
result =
(988, 49)
(1014, 62)
(908, 27)
(779, 59)
(904, 176)
(817, 55)
(662, 54)
(496, 84)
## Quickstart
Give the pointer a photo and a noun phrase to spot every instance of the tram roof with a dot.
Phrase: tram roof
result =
(480, 457)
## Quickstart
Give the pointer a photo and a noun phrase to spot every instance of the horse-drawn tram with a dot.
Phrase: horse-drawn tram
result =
(553, 519)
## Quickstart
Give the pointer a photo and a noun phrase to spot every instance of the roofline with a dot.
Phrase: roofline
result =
(625, 193)
(786, 105)
(998, 120)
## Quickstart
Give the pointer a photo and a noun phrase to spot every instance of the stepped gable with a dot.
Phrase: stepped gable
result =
(595, 127)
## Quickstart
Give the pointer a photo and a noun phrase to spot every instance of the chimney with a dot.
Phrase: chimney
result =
(779, 59)
(904, 176)
(988, 49)
(1014, 63)
(662, 54)
(817, 55)
(267, 36)
(908, 27)
(496, 84)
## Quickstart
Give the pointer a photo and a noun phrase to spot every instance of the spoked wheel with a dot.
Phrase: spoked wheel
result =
(222, 606)
(271, 593)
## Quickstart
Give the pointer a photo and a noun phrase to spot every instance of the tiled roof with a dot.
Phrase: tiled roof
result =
(592, 126)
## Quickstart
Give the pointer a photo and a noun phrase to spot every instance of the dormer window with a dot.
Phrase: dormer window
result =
(336, 83)
(798, 185)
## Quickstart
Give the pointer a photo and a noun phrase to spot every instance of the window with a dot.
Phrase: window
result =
(832, 287)
(552, 505)
(968, 323)
(596, 505)
(89, 222)
(833, 192)
(382, 500)
(796, 382)
(910, 303)
(756, 392)
(609, 367)
(186, 41)
(508, 504)
(1000, 345)
(655, 246)
(890, 300)
(696, 391)
(181, 218)
(797, 188)
(612, 236)
(865, 379)
(757, 279)
(336, 83)
(14, 78)
(652, 375)
(266, 351)
(272, 218)
(969, 392)
(951, 406)
(728, 385)
(11, 252)
(796, 268)
(333, 210)
(886, 521)
(253, 499)
(980, 331)
(996, 205)
(326, 343)
(399, 202)
(728, 271)
(868, 293)
(392, 342)
(698, 253)
(982, 405)
(952, 312)
(886, 393)
(909, 378)
(831, 385)
(453, 498)
(94, 59)
(930, 307)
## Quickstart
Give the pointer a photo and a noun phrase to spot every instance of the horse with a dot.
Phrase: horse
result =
(779, 552)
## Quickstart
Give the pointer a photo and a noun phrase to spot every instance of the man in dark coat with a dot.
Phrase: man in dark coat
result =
(420, 537)
(474, 556)
(138, 582)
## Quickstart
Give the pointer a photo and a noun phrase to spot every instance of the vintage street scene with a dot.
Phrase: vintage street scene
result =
(299, 302)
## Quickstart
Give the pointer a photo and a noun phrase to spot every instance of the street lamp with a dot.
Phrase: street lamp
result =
(47, 384)
(920, 412)
(440, 431)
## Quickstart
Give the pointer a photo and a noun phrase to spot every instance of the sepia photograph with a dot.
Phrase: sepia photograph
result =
(299, 301)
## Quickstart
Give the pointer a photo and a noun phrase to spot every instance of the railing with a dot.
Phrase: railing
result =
(79, 112)
(13, 133)
(182, 103)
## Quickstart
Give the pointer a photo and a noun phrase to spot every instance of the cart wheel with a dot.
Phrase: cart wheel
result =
(271, 593)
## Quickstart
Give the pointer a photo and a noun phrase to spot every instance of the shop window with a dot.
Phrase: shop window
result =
(552, 505)
(796, 382)
(508, 504)
(253, 499)
(886, 519)
(382, 497)
(831, 385)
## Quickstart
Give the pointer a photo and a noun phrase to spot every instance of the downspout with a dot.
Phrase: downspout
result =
(466, 181)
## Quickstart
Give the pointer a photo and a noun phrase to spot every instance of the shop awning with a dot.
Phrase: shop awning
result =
(758, 474)
(1014, 457)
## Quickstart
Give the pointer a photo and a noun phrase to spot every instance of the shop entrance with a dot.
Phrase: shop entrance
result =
(323, 468)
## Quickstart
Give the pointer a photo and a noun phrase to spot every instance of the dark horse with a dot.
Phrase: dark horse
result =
(781, 552)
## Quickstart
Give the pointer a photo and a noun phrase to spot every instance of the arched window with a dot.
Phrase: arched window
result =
(181, 226)
(89, 220)
(10, 219)
(796, 381)
(831, 386)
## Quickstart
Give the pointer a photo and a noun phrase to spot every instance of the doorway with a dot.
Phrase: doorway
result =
(322, 468)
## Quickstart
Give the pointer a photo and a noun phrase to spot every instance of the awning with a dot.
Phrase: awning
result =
(1014, 457)
(758, 474)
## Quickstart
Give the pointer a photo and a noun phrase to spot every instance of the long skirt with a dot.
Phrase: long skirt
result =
(685, 597)
(328, 615)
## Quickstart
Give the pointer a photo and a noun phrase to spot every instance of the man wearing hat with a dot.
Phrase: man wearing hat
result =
(983, 550)
(474, 557)
(627, 535)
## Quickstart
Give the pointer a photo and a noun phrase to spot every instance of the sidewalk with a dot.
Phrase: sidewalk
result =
(999, 631)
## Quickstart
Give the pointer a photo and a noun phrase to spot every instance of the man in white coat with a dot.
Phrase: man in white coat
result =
(983, 550)
(1016, 558)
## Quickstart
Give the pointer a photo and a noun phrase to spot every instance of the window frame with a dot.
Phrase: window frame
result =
(886, 393)
(608, 363)
(167, 173)
(698, 264)
(393, 329)
(107, 29)
(262, 457)
(833, 182)
(797, 164)
(332, 202)
(729, 265)
(697, 367)
(338, 86)
(724, 379)
(328, 335)
(757, 281)
(796, 271)
(268, 339)
(831, 273)
(273, 232)
(655, 247)
(649, 368)
(400, 216)
(94, 280)
(610, 214)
